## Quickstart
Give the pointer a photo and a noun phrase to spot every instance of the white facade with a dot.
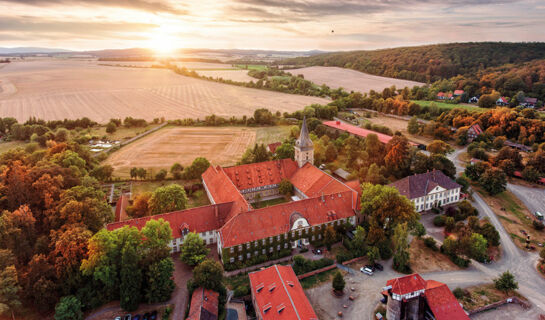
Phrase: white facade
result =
(209, 237)
(435, 198)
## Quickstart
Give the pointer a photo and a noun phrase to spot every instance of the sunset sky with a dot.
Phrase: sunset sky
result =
(265, 24)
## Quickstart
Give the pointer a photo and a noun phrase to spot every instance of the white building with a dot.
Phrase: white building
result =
(428, 190)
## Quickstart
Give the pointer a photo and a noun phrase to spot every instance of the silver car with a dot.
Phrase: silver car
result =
(366, 270)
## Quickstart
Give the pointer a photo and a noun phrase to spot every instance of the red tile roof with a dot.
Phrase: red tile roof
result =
(504, 99)
(278, 294)
(204, 305)
(476, 128)
(443, 303)
(261, 174)
(407, 284)
(441, 94)
(120, 208)
(458, 92)
(221, 189)
(275, 220)
(419, 185)
(198, 220)
(274, 146)
(360, 132)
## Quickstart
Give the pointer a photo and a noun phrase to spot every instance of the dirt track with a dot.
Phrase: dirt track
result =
(59, 89)
(350, 80)
(221, 146)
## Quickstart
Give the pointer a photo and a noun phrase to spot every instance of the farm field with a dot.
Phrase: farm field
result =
(59, 89)
(139, 64)
(220, 145)
(235, 75)
(203, 65)
(397, 125)
(467, 106)
(350, 80)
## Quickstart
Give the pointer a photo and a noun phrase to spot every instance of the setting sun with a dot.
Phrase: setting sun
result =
(163, 41)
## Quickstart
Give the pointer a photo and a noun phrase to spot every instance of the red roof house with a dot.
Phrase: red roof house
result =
(120, 208)
(273, 146)
(204, 305)
(360, 132)
(277, 294)
(458, 92)
(442, 302)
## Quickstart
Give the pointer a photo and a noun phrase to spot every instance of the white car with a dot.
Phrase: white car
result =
(366, 270)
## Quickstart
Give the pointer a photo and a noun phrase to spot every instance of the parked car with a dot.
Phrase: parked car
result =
(539, 215)
(378, 266)
(316, 251)
(117, 318)
(368, 266)
(366, 270)
(153, 315)
(128, 317)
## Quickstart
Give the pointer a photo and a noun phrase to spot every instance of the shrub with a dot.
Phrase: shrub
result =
(458, 293)
(419, 230)
(338, 282)
(439, 221)
(241, 291)
(430, 243)
(538, 225)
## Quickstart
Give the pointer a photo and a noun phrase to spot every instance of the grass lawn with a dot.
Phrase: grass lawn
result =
(268, 203)
(121, 134)
(196, 199)
(318, 279)
(273, 134)
(514, 217)
(260, 67)
(6, 146)
(482, 295)
(470, 107)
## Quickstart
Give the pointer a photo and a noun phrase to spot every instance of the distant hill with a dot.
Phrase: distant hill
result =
(430, 62)
(27, 50)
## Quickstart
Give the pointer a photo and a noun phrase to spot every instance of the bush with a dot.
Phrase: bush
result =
(435, 210)
(439, 221)
(430, 243)
(538, 225)
(302, 265)
(419, 230)
(338, 283)
(241, 291)
(458, 293)
(459, 261)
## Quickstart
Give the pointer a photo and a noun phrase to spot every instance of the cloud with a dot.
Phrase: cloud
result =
(144, 5)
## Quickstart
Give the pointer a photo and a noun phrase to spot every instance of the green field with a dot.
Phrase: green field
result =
(273, 134)
(470, 107)
(260, 67)
(6, 146)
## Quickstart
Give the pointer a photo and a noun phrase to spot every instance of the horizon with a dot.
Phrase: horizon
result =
(166, 26)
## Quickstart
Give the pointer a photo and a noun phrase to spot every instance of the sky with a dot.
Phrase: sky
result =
(164, 25)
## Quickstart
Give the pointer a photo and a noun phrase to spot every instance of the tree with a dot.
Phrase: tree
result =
(397, 156)
(506, 282)
(68, 308)
(401, 248)
(176, 170)
(140, 206)
(464, 182)
(530, 174)
(194, 250)
(209, 275)
(167, 199)
(197, 168)
(102, 173)
(439, 147)
(161, 175)
(131, 279)
(285, 150)
(330, 237)
(478, 247)
(493, 180)
(542, 254)
(134, 173)
(157, 235)
(111, 127)
(373, 254)
(141, 173)
(330, 152)
(413, 127)
(9, 290)
(490, 233)
(285, 187)
(359, 241)
(338, 282)
(159, 279)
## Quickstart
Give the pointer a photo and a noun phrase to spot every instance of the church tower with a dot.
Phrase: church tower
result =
(304, 149)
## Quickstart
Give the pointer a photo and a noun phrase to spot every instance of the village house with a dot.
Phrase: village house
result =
(502, 101)
(441, 96)
(357, 131)
(412, 297)
(458, 93)
(204, 305)
(241, 232)
(428, 190)
(473, 132)
(529, 103)
(277, 294)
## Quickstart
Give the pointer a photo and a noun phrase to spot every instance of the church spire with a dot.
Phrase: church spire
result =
(304, 150)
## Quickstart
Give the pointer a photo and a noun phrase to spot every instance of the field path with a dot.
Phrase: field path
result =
(351, 80)
(59, 89)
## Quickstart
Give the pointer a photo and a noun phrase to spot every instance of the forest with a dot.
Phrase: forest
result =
(505, 67)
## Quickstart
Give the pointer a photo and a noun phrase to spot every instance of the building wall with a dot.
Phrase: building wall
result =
(438, 198)
(304, 156)
(209, 237)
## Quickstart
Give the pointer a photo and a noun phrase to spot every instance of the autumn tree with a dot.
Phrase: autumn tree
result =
(167, 199)
(194, 250)
(140, 206)
(439, 147)
(493, 180)
(397, 157)
(330, 237)
(413, 127)
(373, 254)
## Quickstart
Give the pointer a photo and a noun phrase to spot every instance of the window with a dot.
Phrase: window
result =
(240, 258)
(263, 251)
(239, 247)
(313, 238)
(231, 260)
(270, 249)
(277, 248)
(300, 232)
(248, 245)
(263, 241)
(248, 255)
(285, 245)
(232, 249)
(278, 238)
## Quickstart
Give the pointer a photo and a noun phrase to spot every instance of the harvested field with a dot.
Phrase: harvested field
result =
(203, 65)
(235, 75)
(397, 125)
(350, 80)
(59, 89)
(138, 64)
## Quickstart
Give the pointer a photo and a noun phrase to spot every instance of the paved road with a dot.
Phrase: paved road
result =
(533, 198)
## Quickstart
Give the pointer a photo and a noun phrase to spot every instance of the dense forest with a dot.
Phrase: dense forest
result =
(505, 67)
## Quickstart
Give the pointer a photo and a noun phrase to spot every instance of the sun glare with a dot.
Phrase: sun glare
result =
(163, 42)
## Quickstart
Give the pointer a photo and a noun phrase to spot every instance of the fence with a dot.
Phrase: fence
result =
(315, 272)
(494, 305)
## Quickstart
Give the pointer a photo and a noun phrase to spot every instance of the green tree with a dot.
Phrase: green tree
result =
(167, 199)
(373, 254)
(111, 127)
(401, 248)
(176, 170)
(9, 290)
(161, 175)
(330, 237)
(478, 247)
(68, 308)
(359, 240)
(102, 173)
(493, 180)
(159, 281)
(338, 282)
(542, 254)
(413, 127)
(209, 275)
(157, 235)
(131, 279)
(285, 187)
(197, 168)
(490, 233)
(285, 150)
(531, 174)
(331, 152)
(194, 251)
(506, 282)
